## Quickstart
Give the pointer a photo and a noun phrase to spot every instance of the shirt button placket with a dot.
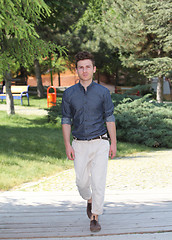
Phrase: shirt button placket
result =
(85, 112)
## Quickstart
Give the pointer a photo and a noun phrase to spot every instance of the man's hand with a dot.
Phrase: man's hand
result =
(70, 152)
(112, 133)
(66, 135)
(112, 150)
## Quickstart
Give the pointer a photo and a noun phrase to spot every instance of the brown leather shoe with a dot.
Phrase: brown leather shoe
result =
(94, 225)
(89, 207)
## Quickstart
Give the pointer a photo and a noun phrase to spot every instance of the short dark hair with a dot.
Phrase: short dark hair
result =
(84, 55)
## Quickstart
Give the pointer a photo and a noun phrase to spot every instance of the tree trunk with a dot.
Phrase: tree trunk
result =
(98, 76)
(170, 85)
(159, 96)
(59, 79)
(51, 71)
(9, 97)
(117, 76)
(40, 88)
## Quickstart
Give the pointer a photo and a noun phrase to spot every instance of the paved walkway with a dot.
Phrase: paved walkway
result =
(25, 110)
(138, 204)
(140, 215)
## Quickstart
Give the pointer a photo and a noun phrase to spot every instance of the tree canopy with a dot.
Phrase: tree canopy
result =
(19, 40)
(137, 33)
(139, 30)
(142, 30)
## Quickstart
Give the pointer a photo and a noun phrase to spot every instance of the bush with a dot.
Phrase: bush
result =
(121, 98)
(145, 122)
(142, 89)
(138, 120)
(54, 113)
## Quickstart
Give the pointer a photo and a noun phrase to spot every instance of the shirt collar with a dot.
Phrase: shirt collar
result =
(89, 86)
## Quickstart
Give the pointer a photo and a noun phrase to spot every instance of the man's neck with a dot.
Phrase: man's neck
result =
(85, 84)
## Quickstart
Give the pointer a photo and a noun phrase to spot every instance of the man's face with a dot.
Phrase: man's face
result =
(85, 70)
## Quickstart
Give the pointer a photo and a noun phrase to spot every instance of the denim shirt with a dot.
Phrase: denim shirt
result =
(87, 110)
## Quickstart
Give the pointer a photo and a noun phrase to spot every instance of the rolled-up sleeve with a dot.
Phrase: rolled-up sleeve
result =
(108, 108)
(66, 110)
(110, 118)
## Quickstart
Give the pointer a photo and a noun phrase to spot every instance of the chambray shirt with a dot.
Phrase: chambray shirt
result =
(87, 110)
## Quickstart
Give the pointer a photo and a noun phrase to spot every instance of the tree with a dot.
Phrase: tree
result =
(87, 34)
(40, 88)
(59, 66)
(19, 40)
(142, 31)
(90, 33)
(63, 16)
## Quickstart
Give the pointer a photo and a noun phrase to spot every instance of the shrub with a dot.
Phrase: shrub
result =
(142, 89)
(138, 120)
(144, 121)
(54, 113)
(121, 98)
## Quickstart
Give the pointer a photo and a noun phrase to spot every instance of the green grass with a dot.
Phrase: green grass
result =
(32, 148)
(124, 148)
(38, 102)
(34, 102)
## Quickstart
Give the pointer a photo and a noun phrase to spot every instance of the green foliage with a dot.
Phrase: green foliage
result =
(54, 113)
(144, 122)
(142, 31)
(19, 39)
(122, 98)
(142, 89)
(139, 120)
(92, 14)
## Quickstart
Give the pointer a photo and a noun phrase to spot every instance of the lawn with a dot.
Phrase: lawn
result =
(33, 100)
(32, 148)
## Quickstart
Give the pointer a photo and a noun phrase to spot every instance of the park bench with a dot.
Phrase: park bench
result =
(18, 92)
(124, 89)
(121, 89)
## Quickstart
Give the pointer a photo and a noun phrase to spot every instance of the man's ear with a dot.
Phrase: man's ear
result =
(94, 69)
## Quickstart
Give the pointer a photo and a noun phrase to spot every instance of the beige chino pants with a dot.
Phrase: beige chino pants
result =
(91, 160)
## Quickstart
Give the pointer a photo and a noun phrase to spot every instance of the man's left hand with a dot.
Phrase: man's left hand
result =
(112, 151)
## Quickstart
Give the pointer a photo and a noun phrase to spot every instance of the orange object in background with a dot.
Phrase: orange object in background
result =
(51, 97)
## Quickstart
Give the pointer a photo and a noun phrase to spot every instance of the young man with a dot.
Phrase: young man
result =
(87, 106)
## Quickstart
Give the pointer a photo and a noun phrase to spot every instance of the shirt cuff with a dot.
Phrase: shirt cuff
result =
(66, 121)
(110, 118)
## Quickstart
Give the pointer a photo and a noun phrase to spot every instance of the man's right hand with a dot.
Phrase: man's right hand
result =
(70, 152)
(66, 135)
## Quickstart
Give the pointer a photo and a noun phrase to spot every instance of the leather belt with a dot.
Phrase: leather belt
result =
(99, 137)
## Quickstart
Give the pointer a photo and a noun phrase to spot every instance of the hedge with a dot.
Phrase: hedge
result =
(144, 121)
(138, 120)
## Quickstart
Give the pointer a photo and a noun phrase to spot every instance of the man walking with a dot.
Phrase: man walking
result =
(86, 107)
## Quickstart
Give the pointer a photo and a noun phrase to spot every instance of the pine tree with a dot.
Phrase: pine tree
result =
(142, 30)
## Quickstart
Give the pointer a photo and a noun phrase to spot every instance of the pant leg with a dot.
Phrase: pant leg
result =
(91, 159)
(82, 166)
(98, 175)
